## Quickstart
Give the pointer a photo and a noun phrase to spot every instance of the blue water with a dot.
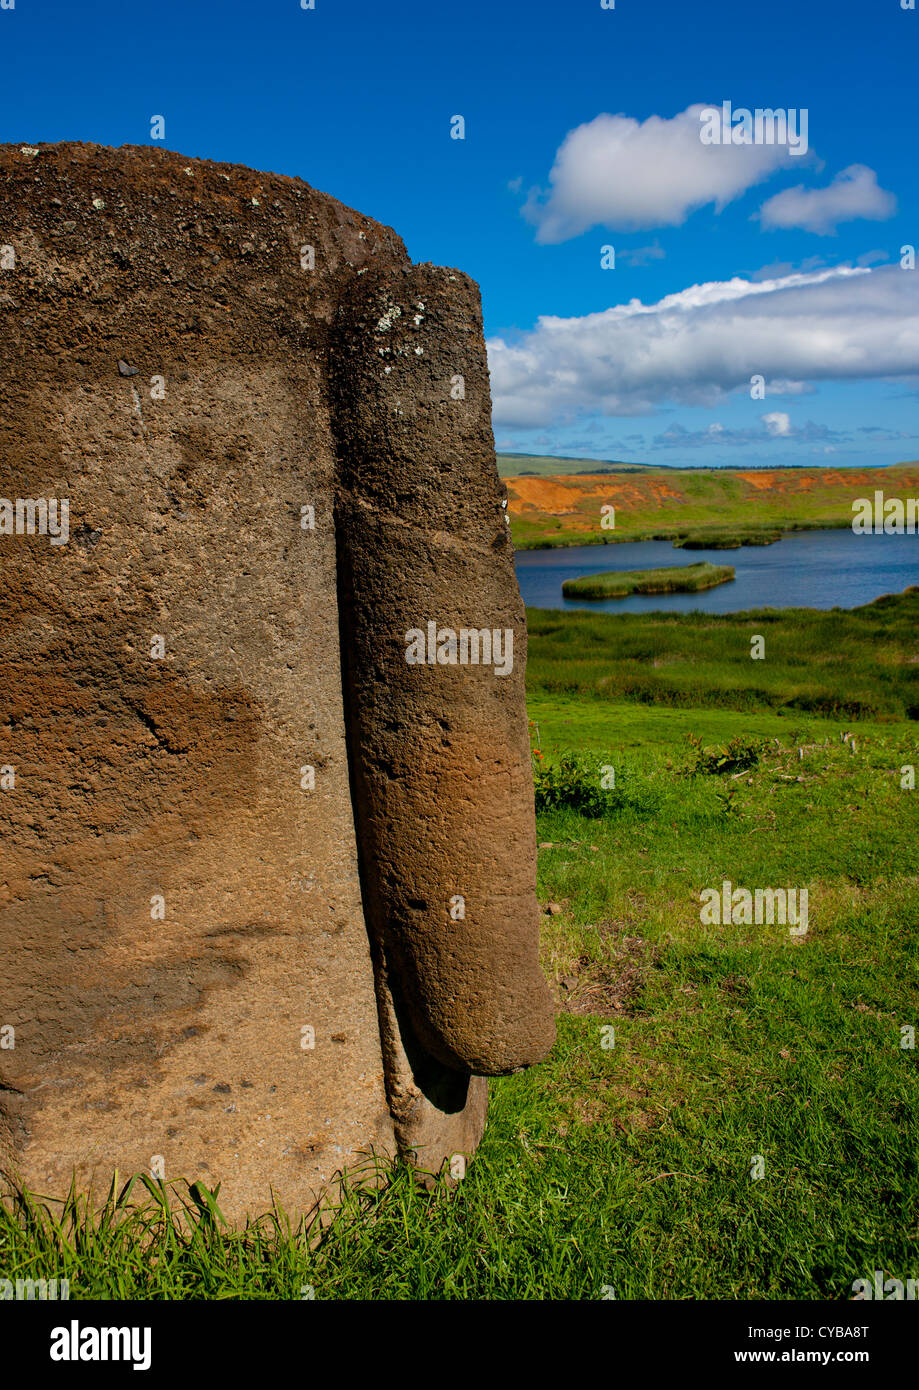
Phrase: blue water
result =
(805, 569)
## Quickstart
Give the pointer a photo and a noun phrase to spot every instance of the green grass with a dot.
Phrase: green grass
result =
(859, 663)
(742, 1040)
(551, 465)
(630, 1165)
(672, 579)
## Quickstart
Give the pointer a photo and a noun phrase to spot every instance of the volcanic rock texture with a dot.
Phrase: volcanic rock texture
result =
(266, 885)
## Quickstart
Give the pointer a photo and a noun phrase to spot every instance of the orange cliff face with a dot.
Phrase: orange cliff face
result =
(572, 496)
(566, 496)
(784, 481)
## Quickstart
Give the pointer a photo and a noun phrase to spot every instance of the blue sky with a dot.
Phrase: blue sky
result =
(730, 262)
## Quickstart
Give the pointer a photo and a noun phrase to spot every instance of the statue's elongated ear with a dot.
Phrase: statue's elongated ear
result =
(434, 649)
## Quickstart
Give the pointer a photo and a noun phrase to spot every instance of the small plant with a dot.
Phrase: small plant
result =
(736, 756)
(573, 782)
(584, 784)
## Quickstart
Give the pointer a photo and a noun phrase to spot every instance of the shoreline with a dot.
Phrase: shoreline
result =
(608, 539)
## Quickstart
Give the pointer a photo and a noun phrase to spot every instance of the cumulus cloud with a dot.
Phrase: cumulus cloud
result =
(677, 437)
(853, 194)
(641, 255)
(697, 346)
(619, 172)
(779, 269)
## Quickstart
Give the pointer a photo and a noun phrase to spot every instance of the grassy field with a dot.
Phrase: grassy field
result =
(545, 465)
(673, 579)
(852, 663)
(698, 504)
(690, 1057)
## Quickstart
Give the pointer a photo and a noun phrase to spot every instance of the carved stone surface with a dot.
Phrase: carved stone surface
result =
(191, 730)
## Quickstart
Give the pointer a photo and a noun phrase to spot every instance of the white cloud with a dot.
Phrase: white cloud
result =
(779, 269)
(678, 437)
(695, 347)
(853, 194)
(618, 172)
(641, 255)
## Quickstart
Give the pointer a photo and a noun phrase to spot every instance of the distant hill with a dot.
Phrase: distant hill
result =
(561, 466)
(553, 466)
(669, 503)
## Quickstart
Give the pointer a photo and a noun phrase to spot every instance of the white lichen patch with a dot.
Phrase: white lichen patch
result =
(98, 202)
(29, 151)
(386, 322)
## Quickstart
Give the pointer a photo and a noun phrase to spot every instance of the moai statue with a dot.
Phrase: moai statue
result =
(267, 853)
